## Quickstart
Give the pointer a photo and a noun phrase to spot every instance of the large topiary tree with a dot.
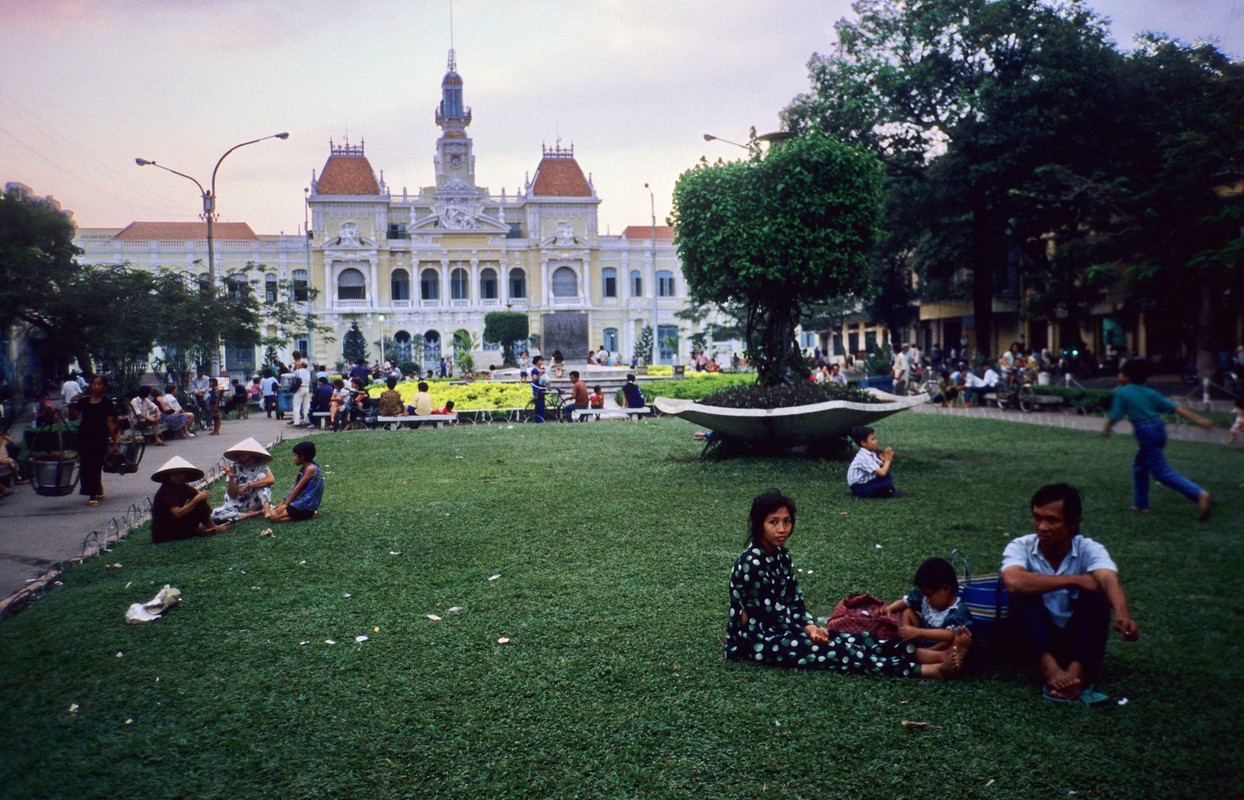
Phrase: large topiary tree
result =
(774, 235)
(506, 327)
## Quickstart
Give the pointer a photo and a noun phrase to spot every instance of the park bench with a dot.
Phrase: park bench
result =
(434, 420)
(610, 413)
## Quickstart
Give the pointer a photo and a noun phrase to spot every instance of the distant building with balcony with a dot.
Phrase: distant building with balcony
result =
(435, 261)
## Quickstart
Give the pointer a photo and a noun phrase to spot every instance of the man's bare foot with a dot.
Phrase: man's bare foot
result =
(1065, 684)
(1202, 504)
(1140, 510)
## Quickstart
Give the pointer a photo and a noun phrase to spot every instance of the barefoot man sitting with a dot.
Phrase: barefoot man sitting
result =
(1063, 587)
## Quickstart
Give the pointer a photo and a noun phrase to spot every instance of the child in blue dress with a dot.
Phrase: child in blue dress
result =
(302, 500)
(932, 613)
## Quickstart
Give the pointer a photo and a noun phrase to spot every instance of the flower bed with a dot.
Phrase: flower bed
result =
(473, 396)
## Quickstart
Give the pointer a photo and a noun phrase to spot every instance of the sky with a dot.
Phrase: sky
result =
(87, 86)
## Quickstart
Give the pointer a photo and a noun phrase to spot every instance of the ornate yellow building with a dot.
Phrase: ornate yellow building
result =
(418, 267)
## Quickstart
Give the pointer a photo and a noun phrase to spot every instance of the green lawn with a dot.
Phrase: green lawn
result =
(613, 545)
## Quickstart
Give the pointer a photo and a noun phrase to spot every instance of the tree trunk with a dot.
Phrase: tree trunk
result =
(982, 282)
(1206, 361)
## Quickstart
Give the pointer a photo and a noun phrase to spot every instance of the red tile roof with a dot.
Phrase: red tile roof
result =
(560, 177)
(350, 174)
(645, 232)
(185, 231)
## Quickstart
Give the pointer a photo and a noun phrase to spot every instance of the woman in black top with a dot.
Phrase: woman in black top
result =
(97, 426)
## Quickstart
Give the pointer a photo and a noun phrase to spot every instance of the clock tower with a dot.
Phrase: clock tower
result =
(454, 161)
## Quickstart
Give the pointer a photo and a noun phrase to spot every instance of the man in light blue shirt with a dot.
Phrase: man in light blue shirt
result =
(1062, 588)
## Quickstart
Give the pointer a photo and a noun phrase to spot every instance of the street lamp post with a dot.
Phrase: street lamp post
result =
(209, 214)
(380, 317)
(656, 346)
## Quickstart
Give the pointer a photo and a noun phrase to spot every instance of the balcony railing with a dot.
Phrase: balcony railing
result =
(351, 303)
(430, 303)
(401, 303)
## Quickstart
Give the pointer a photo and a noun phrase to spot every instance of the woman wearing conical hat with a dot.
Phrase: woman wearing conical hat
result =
(179, 511)
(247, 492)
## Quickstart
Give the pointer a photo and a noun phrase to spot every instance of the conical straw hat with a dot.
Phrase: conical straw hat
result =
(177, 464)
(249, 446)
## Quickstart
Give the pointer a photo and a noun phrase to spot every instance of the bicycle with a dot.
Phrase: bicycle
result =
(1017, 391)
(553, 402)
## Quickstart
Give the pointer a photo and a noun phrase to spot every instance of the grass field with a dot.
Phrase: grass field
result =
(613, 546)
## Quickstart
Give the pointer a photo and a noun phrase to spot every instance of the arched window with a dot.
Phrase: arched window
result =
(399, 285)
(269, 288)
(665, 283)
(637, 283)
(458, 287)
(611, 339)
(609, 282)
(351, 285)
(431, 350)
(488, 284)
(429, 285)
(401, 346)
(518, 284)
(301, 295)
(565, 282)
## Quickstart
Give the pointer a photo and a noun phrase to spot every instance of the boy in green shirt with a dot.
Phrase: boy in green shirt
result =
(1144, 407)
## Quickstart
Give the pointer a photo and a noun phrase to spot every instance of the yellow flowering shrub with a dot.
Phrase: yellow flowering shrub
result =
(472, 396)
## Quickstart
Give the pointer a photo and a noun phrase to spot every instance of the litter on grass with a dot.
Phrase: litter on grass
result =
(150, 611)
(360, 639)
(329, 641)
(434, 618)
(503, 640)
(1122, 701)
(267, 532)
(909, 723)
(129, 722)
(394, 553)
(455, 609)
(494, 577)
(345, 594)
(120, 654)
(73, 708)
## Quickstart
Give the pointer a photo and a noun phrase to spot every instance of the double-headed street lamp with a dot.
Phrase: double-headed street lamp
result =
(209, 214)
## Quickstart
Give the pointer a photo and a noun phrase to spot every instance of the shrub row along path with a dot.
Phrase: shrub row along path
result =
(38, 535)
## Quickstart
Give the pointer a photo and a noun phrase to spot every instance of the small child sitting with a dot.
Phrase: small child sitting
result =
(869, 473)
(302, 500)
(596, 399)
(932, 613)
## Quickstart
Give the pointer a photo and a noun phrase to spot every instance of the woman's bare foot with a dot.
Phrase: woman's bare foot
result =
(1202, 504)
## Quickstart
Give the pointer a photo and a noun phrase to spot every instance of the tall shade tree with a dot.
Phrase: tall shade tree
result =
(962, 100)
(774, 235)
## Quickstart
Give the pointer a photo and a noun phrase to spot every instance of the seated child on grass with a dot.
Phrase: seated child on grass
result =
(869, 473)
(302, 500)
(932, 613)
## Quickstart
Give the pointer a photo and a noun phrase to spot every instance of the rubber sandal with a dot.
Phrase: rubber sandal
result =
(1091, 697)
(1045, 692)
(94, 501)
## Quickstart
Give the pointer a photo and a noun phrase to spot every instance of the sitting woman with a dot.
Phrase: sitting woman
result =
(770, 624)
(631, 396)
(336, 402)
(179, 511)
(391, 404)
(175, 419)
(247, 488)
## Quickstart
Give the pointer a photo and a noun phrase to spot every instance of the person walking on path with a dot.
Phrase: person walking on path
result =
(1143, 406)
(96, 427)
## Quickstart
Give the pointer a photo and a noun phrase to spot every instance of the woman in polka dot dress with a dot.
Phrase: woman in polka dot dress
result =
(770, 624)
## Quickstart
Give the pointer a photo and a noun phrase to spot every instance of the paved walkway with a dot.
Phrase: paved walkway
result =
(39, 534)
(1091, 422)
